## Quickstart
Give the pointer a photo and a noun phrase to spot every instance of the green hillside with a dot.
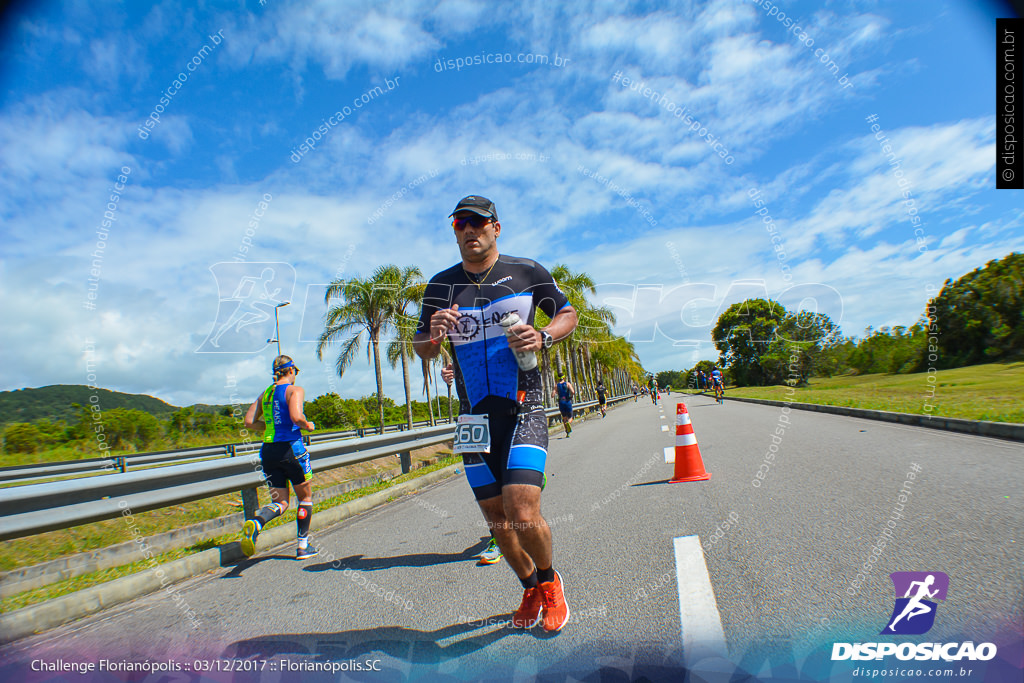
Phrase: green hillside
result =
(54, 402)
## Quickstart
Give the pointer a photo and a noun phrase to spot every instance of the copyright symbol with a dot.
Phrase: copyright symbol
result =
(1007, 174)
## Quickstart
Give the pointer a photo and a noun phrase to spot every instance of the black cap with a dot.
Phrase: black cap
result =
(481, 206)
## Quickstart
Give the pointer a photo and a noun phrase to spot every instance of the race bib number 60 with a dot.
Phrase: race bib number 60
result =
(472, 435)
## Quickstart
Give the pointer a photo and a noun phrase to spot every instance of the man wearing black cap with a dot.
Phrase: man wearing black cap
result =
(501, 405)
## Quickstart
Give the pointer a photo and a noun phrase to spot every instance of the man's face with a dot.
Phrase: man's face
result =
(476, 243)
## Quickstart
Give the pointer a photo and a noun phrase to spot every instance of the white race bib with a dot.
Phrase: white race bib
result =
(472, 435)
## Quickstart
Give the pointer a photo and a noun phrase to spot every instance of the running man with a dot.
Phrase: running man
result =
(634, 393)
(601, 401)
(466, 303)
(654, 390)
(914, 606)
(717, 384)
(565, 393)
(283, 456)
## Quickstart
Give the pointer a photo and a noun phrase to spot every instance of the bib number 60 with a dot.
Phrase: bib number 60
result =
(472, 435)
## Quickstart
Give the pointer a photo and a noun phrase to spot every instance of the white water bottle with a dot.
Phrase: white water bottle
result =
(527, 359)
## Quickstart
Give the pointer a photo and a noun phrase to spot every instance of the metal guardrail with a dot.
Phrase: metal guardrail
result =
(123, 463)
(36, 508)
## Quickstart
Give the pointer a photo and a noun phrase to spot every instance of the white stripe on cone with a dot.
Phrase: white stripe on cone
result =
(686, 439)
(682, 418)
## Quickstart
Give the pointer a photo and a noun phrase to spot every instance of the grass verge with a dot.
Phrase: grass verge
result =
(992, 392)
(78, 583)
(21, 552)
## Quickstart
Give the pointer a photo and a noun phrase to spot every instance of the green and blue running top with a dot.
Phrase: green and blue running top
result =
(277, 417)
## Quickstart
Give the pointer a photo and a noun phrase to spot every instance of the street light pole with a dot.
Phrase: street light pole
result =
(277, 327)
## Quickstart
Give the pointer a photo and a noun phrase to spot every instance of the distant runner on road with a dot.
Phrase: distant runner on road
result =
(717, 383)
(565, 393)
(601, 401)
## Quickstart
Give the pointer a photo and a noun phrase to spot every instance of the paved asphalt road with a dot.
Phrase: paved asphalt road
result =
(781, 558)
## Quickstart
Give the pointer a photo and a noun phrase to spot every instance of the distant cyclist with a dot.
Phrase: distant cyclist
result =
(565, 393)
(283, 456)
(717, 383)
(506, 404)
(601, 401)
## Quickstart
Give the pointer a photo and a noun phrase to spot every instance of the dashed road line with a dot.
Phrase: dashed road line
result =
(698, 611)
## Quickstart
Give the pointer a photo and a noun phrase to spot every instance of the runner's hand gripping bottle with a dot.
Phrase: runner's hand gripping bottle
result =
(527, 359)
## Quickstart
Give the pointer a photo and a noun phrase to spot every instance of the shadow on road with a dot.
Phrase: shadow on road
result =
(406, 644)
(652, 483)
(241, 565)
(364, 563)
(601, 660)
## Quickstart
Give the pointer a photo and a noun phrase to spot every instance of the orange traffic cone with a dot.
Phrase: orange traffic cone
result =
(689, 465)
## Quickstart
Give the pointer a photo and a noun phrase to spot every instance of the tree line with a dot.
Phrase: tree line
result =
(133, 430)
(978, 318)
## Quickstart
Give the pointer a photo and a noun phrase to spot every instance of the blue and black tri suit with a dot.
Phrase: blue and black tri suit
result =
(283, 456)
(564, 399)
(487, 378)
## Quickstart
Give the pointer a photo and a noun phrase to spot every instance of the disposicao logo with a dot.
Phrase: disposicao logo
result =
(914, 614)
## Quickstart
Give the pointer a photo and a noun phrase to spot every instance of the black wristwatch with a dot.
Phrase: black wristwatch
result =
(546, 339)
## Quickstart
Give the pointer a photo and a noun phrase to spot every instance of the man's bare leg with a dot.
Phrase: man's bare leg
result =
(522, 509)
(508, 541)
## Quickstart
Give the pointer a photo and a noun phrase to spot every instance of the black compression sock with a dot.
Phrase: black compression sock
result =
(303, 518)
(267, 513)
(546, 575)
(531, 580)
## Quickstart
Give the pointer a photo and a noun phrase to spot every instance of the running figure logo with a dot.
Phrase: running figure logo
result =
(914, 613)
(247, 294)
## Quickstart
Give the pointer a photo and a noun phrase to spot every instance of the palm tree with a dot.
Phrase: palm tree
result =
(594, 321)
(398, 350)
(618, 358)
(428, 367)
(362, 306)
(446, 357)
(408, 292)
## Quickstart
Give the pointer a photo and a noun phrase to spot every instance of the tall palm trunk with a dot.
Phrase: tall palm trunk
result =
(375, 342)
(425, 366)
(545, 356)
(408, 397)
(574, 370)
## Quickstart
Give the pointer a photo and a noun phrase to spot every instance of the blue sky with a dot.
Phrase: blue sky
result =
(584, 169)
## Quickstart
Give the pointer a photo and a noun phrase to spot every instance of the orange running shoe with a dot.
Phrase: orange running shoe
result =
(528, 614)
(556, 612)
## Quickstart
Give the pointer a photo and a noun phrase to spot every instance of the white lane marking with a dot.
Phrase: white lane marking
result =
(662, 417)
(698, 612)
(664, 428)
(670, 454)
